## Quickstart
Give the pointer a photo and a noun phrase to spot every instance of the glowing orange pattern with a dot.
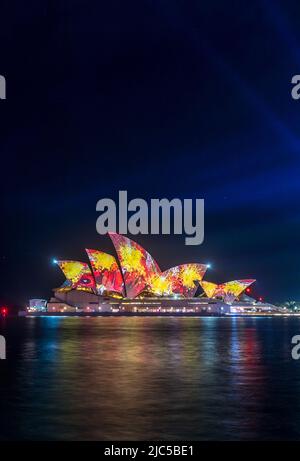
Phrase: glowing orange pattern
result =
(142, 273)
(137, 265)
(179, 280)
(235, 288)
(160, 285)
(209, 288)
(78, 276)
(229, 291)
(106, 272)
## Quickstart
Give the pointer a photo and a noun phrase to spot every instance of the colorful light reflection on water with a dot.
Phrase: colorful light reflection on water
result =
(149, 378)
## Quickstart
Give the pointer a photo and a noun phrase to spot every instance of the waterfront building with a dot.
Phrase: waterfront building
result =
(133, 282)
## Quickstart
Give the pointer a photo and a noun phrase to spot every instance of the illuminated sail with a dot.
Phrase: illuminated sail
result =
(233, 289)
(228, 291)
(137, 265)
(78, 276)
(161, 285)
(209, 288)
(179, 280)
(106, 272)
(140, 273)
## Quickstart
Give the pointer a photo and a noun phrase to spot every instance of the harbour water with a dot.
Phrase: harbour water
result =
(138, 378)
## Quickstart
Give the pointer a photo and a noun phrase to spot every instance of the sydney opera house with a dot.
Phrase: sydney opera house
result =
(134, 282)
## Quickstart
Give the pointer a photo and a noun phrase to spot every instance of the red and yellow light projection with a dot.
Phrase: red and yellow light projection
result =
(160, 285)
(209, 288)
(140, 273)
(106, 272)
(234, 288)
(229, 291)
(178, 280)
(78, 276)
(137, 265)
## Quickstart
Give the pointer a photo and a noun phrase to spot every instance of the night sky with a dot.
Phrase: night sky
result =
(188, 99)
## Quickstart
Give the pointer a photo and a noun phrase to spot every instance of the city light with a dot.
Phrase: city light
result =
(3, 311)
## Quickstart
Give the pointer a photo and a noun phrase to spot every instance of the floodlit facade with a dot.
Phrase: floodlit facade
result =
(179, 280)
(133, 281)
(37, 305)
(106, 272)
(137, 265)
(228, 291)
(78, 276)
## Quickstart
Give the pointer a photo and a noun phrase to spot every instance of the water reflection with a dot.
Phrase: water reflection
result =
(149, 378)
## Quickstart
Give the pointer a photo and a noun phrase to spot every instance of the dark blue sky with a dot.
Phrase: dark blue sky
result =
(163, 99)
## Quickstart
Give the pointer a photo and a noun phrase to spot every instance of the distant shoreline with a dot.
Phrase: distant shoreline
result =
(150, 314)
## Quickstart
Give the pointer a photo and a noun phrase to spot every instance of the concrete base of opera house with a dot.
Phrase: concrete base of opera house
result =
(75, 302)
